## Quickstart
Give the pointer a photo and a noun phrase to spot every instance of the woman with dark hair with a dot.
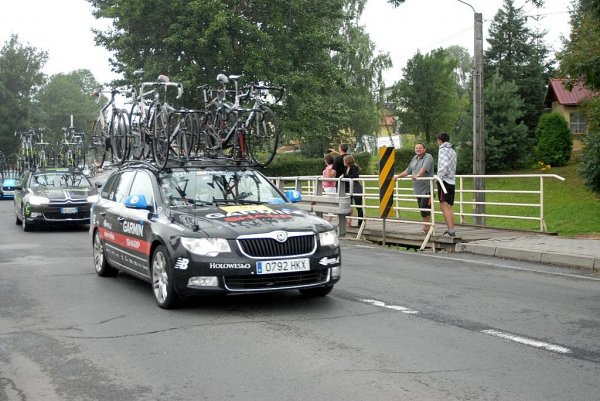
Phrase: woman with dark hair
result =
(351, 170)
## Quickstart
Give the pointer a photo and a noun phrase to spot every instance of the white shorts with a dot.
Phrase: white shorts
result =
(330, 190)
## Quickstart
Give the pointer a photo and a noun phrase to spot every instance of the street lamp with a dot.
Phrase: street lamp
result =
(478, 138)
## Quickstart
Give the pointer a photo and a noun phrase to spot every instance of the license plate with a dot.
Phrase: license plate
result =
(282, 266)
(68, 210)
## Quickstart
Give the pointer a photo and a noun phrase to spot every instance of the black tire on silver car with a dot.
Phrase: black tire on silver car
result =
(162, 279)
(315, 292)
(26, 226)
(18, 221)
(101, 265)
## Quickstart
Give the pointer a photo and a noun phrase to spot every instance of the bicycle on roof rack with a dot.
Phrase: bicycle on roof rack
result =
(110, 130)
(250, 133)
(149, 119)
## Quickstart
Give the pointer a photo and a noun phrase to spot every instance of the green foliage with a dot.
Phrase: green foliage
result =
(554, 140)
(581, 52)
(67, 95)
(314, 47)
(289, 165)
(590, 158)
(590, 161)
(426, 97)
(20, 77)
(520, 56)
(506, 143)
(580, 59)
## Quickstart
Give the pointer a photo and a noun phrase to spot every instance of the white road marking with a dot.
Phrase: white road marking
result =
(528, 341)
(500, 334)
(398, 308)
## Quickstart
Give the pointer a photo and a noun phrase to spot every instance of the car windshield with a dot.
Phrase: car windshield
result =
(60, 180)
(182, 187)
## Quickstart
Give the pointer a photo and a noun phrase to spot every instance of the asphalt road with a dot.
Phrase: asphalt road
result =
(399, 326)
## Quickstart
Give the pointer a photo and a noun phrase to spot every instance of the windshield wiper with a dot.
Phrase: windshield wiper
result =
(237, 201)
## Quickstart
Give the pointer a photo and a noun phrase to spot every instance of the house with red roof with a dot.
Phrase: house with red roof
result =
(561, 100)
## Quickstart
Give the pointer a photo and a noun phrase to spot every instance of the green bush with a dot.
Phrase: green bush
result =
(590, 161)
(293, 164)
(554, 140)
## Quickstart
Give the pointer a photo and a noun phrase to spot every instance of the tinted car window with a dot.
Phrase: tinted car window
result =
(109, 186)
(117, 186)
(60, 180)
(183, 187)
(142, 185)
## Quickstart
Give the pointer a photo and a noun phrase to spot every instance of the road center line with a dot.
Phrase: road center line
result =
(398, 308)
(528, 341)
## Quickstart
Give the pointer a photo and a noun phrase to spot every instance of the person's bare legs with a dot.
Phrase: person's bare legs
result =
(448, 213)
(426, 219)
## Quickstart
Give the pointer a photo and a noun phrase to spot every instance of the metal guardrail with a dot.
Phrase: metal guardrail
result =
(404, 196)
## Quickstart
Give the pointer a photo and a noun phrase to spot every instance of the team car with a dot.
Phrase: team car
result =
(209, 228)
(7, 189)
(53, 196)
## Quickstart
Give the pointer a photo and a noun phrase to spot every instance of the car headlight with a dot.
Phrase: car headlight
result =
(206, 246)
(37, 200)
(92, 198)
(328, 238)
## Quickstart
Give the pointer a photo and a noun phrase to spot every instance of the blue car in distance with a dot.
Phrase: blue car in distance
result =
(7, 190)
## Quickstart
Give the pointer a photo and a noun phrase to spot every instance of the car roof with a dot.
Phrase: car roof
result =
(193, 164)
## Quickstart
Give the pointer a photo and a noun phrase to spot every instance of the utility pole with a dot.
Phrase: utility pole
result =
(478, 134)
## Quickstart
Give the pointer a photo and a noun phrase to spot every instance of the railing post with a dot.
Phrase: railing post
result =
(460, 198)
(543, 227)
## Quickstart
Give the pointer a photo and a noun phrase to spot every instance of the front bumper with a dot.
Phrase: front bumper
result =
(58, 214)
(239, 274)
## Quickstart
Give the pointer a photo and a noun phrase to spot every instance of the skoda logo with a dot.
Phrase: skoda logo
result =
(281, 236)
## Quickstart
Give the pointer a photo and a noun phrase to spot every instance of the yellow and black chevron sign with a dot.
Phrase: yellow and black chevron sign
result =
(387, 157)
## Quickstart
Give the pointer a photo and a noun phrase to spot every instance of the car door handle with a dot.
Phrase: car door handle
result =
(120, 218)
(103, 214)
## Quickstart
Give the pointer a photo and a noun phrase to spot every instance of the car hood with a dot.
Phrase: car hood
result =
(58, 194)
(230, 221)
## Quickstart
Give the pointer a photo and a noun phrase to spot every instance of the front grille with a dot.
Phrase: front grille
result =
(276, 281)
(271, 248)
(52, 212)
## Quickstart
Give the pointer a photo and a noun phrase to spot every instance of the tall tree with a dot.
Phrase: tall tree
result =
(519, 55)
(296, 42)
(506, 143)
(580, 61)
(67, 95)
(426, 96)
(363, 76)
(20, 77)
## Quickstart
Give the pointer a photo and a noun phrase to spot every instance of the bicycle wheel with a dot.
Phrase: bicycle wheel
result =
(98, 147)
(118, 135)
(263, 136)
(160, 141)
(139, 148)
(208, 142)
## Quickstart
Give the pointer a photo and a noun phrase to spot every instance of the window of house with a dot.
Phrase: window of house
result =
(577, 123)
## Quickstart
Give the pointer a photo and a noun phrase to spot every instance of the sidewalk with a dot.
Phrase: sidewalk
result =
(582, 253)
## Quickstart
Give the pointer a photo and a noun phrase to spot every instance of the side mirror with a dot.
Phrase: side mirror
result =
(293, 195)
(138, 202)
(98, 184)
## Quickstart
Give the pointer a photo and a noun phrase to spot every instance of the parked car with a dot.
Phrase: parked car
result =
(54, 196)
(7, 189)
(209, 228)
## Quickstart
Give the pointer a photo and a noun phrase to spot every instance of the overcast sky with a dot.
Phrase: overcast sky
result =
(63, 29)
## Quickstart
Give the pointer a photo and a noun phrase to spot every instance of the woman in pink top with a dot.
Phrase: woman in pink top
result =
(328, 186)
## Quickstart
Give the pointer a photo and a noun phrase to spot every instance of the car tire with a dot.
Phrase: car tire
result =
(162, 279)
(18, 220)
(103, 269)
(27, 227)
(315, 292)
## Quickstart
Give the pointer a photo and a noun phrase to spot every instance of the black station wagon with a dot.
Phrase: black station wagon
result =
(209, 228)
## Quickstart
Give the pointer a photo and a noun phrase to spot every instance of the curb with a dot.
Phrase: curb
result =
(562, 259)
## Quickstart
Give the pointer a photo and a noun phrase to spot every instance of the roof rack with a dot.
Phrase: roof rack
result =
(202, 162)
(139, 163)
